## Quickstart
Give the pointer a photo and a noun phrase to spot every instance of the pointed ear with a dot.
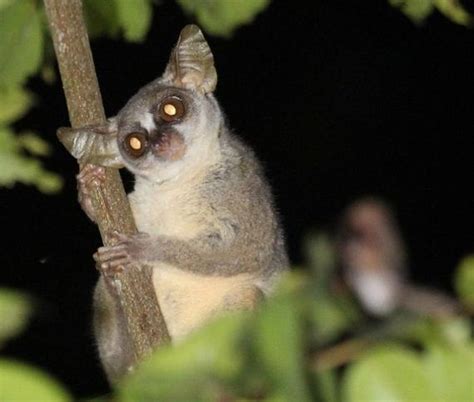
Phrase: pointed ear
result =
(94, 144)
(191, 63)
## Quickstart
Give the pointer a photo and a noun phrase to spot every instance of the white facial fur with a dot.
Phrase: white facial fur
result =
(146, 122)
(378, 290)
(199, 127)
(202, 147)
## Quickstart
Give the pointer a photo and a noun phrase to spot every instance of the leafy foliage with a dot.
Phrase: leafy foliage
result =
(280, 353)
(21, 46)
(276, 353)
(15, 165)
(222, 17)
(19, 381)
(194, 371)
(419, 10)
(454, 10)
(21, 54)
(448, 372)
(416, 10)
(135, 18)
(110, 17)
(15, 309)
(464, 281)
(15, 102)
(391, 373)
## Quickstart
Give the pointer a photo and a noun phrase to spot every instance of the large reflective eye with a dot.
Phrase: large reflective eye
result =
(136, 144)
(171, 109)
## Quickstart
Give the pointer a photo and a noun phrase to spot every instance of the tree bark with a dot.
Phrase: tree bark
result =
(134, 290)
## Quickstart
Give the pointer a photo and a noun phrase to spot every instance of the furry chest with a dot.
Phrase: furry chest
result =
(189, 300)
(169, 214)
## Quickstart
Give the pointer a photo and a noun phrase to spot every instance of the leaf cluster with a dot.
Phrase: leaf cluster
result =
(308, 342)
(21, 55)
(21, 381)
(419, 10)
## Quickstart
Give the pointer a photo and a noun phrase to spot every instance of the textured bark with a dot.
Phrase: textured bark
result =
(133, 289)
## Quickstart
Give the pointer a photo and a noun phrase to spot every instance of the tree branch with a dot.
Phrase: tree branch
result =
(399, 326)
(134, 289)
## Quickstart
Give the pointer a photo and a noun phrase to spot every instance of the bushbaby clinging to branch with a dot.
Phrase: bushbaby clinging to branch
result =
(205, 213)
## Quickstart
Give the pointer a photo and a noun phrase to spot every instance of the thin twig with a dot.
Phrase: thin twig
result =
(145, 323)
(346, 351)
(340, 354)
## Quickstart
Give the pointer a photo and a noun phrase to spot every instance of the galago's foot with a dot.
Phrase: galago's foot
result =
(90, 175)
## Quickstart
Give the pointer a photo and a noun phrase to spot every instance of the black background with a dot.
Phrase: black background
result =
(339, 99)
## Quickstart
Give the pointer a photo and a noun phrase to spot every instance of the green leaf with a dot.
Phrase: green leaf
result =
(101, 18)
(15, 103)
(20, 382)
(48, 73)
(419, 10)
(8, 142)
(450, 372)
(34, 144)
(464, 281)
(193, 370)
(430, 332)
(320, 253)
(456, 330)
(332, 316)
(278, 340)
(5, 3)
(15, 311)
(16, 167)
(391, 373)
(416, 10)
(109, 17)
(223, 17)
(292, 283)
(135, 18)
(22, 42)
(47, 182)
(454, 11)
(327, 385)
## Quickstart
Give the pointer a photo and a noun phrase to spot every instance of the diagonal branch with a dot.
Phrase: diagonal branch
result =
(134, 290)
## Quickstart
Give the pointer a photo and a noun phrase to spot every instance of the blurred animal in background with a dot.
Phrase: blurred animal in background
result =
(374, 263)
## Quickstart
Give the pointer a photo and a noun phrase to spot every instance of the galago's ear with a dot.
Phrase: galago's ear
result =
(191, 63)
(93, 144)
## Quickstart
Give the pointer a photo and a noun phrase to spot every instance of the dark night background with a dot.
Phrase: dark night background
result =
(339, 99)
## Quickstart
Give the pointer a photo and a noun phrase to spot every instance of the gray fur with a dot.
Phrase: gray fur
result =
(208, 217)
